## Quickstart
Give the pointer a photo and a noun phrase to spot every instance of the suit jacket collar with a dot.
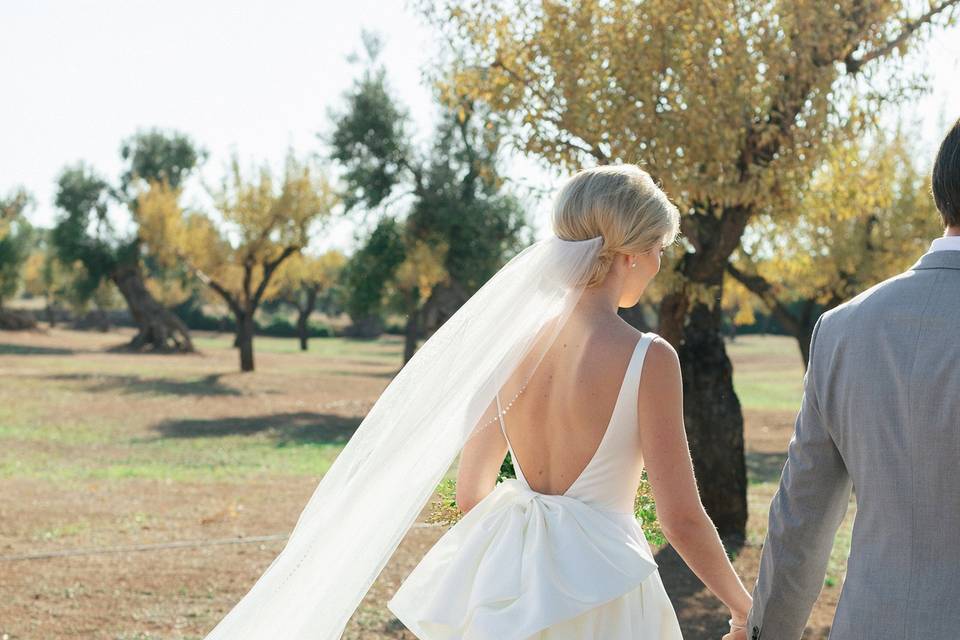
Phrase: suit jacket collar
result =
(945, 243)
(938, 260)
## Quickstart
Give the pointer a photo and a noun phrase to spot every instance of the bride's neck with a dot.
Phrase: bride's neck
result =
(602, 300)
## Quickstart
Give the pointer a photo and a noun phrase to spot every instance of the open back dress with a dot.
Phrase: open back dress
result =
(528, 565)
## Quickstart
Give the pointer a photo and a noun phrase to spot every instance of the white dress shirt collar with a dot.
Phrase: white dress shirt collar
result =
(945, 243)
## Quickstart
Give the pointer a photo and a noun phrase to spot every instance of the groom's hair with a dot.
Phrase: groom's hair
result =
(946, 178)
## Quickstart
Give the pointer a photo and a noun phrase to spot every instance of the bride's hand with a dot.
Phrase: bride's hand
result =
(738, 624)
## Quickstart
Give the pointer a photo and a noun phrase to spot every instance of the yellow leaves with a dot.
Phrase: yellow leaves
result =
(258, 219)
(203, 245)
(161, 222)
(865, 215)
(12, 209)
(423, 268)
(304, 271)
(168, 291)
(749, 91)
(266, 217)
(33, 274)
(740, 302)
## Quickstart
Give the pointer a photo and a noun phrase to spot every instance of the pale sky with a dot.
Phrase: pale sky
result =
(255, 76)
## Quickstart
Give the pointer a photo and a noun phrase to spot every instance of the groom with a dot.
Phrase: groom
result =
(881, 415)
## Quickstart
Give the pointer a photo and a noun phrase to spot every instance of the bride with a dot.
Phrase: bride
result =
(537, 363)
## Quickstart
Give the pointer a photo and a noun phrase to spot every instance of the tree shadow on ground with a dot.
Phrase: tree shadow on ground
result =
(207, 386)
(29, 350)
(765, 467)
(302, 427)
(128, 347)
(701, 615)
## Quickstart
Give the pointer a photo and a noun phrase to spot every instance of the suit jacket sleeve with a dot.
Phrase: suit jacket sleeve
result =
(804, 516)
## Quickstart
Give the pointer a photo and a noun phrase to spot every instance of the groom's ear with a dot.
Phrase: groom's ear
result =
(945, 181)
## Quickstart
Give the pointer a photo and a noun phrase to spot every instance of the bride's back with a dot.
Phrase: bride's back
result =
(558, 421)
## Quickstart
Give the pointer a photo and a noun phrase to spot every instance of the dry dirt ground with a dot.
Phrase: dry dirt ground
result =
(101, 449)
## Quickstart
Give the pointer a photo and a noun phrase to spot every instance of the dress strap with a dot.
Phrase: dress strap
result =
(503, 429)
(642, 347)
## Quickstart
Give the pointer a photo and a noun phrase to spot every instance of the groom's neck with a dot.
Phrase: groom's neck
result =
(952, 231)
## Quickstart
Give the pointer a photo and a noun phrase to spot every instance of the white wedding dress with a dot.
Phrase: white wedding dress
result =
(523, 564)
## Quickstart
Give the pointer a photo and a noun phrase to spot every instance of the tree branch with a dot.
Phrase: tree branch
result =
(763, 289)
(269, 266)
(550, 106)
(597, 154)
(247, 277)
(216, 286)
(463, 125)
(854, 65)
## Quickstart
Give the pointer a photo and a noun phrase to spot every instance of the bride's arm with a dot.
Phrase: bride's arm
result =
(682, 517)
(479, 465)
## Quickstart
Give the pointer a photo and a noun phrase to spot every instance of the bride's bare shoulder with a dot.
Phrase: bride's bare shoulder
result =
(620, 336)
(661, 356)
(627, 336)
(659, 344)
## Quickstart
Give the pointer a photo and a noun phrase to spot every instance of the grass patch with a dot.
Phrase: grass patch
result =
(768, 373)
(377, 349)
(112, 415)
(777, 391)
(187, 461)
(64, 530)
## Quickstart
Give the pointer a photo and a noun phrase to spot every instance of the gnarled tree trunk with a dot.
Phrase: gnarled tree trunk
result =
(368, 326)
(712, 412)
(245, 328)
(303, 316)
(412, 330)
(51, 312)
(15, 321)
(157, 327)
(302, 330)
(712, 415)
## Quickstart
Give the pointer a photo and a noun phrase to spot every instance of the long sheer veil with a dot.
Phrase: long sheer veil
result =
(387, 472)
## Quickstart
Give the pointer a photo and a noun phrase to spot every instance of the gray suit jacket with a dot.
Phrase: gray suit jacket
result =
(880, 415)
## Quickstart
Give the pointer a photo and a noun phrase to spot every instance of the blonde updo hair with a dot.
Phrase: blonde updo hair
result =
(620, 203)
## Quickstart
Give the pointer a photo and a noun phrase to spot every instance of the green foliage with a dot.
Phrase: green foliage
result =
(506, 468)
(46, 277)
(463, 202)
(460, 226)
(370, 137)
(158, 156)
(365, 276)
(306, 280)
(193, 316)
(82, 232)
(190, 311)
(646, 511)
(16, 240)
(281, 327)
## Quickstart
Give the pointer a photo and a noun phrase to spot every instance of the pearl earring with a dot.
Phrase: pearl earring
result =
(633, 265)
